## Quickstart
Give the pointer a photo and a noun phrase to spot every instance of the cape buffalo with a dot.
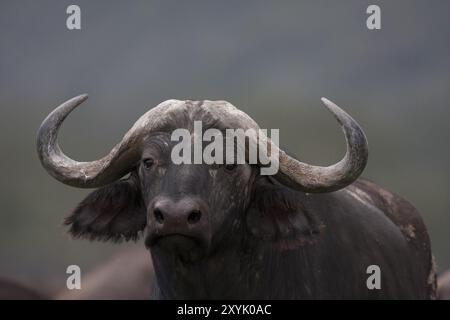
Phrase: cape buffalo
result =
(228, 232)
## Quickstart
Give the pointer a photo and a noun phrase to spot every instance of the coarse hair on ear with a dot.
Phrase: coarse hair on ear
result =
(115, 212)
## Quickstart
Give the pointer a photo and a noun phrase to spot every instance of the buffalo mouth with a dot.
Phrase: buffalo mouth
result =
(185, 247)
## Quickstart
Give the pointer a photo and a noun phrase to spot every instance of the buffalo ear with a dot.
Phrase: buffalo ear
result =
(278, 214)
(115, 212)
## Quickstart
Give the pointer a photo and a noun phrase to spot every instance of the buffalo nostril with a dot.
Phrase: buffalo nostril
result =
(158, 215)
(194, 216)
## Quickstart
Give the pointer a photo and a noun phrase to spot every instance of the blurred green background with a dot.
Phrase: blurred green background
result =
(272, 59)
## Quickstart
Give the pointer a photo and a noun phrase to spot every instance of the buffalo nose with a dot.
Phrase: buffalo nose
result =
(181, 213)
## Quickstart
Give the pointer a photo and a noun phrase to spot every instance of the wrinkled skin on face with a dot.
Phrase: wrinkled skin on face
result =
(218, 192)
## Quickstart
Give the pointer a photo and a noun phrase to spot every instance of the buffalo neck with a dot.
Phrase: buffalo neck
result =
(243, 268)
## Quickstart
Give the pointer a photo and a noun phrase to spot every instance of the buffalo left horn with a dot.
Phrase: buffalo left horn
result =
(100, 172)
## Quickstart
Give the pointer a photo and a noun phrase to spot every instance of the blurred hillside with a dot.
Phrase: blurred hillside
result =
(274, 60)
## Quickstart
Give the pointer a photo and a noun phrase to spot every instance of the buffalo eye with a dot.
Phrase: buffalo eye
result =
(230, 167)
(148, 163)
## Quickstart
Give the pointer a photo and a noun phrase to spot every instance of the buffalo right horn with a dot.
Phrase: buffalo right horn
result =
(317, 179)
